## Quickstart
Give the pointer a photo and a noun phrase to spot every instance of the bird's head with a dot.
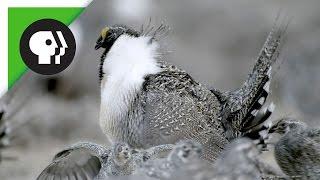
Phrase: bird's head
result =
(122, 153)
(109, 35)
(285, 125)
(124, 46)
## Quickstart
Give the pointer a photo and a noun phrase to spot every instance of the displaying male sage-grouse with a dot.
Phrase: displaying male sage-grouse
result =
(145, 101)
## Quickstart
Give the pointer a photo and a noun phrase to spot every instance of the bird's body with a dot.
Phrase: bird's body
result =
(164, 96)
(146, 101)
(298, 150)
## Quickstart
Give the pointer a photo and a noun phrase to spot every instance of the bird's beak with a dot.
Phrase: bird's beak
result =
(275, 128)
(103, 36)
(99, 43)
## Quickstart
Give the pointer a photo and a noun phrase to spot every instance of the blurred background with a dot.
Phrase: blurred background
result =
(215, 41)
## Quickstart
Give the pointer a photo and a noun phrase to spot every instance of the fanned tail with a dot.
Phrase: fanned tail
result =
(260, 128)
(243, 106)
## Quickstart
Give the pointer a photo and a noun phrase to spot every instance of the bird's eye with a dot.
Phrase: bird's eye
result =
(119, 149)
(104, 32)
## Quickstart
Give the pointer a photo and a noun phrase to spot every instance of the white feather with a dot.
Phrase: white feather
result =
(128, 61)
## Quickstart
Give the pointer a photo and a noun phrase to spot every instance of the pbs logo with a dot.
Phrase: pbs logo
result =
(47, 46)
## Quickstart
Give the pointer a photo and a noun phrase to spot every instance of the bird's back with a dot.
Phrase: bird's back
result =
(172, 80)
(177, 107)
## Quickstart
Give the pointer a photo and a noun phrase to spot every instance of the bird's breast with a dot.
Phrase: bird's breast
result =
(117, 112)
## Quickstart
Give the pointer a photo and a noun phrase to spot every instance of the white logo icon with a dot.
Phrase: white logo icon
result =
(44, 45)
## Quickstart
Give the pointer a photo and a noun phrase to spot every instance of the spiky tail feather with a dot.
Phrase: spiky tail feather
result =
(242, 105)
(261, 126)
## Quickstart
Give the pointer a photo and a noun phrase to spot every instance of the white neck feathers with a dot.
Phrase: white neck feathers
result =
(128, 61)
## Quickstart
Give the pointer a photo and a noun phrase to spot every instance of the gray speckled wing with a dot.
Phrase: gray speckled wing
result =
(81, 161)
(75, 164)
(172, 117)
(176, 107)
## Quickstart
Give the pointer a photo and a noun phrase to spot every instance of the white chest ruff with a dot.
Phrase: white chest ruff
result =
(129, 60)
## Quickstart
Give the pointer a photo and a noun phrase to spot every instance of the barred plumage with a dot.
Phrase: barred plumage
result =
(243, 104)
